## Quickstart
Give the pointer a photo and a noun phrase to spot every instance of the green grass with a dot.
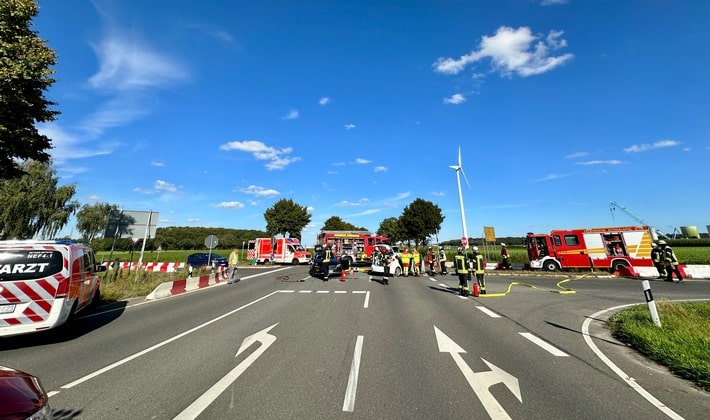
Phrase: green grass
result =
(682, 343)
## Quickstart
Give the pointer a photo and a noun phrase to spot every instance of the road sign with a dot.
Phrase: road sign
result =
(211, 241)
(464, 242)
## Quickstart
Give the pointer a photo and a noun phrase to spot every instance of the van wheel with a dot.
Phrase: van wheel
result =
(295, 261)
(551, 266)
(397, 272)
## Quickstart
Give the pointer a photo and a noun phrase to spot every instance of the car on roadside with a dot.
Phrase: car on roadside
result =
(202, 259)
(22, 396)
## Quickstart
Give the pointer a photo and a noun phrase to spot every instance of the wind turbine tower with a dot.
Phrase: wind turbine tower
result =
(458, 168)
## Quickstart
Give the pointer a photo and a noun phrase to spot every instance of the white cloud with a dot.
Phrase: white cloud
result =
(277, 158)
(360, 202)
(511, 51)
(260, 191)
(349, 126)
(158, 164)
(161, 185)
(291, 115)
(551, 177)
(439, 193)
(380, 169)
(129, 65)
(576, 155)
(553, 2)
(361, 161)
(324, 100)
(455, 99)
(601, 162)
(67, 146)
(645, 147)
(230, 205)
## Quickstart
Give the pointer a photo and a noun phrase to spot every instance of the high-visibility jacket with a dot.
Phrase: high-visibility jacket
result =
(657, 255)
(442, 255)
(233, 258)
(417, 258)
(669, 255)
(405, 257)
(479, 264)
(460, 264)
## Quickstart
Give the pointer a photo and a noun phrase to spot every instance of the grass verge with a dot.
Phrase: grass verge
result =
(682, 343)
(124, 284)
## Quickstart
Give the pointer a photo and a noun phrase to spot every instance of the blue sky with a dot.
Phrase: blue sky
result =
(210, 112)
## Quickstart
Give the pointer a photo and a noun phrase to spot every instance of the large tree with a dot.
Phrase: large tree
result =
(336, 223)
(391, 228)
(25, 74)
(34, 204)
(421, 219)
(285, 216)
(91, 219)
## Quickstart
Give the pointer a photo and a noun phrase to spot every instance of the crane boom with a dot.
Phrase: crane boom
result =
(614, 205)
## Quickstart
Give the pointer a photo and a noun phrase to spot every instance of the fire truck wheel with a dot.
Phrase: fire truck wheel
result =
(551, 266)
(617, 265)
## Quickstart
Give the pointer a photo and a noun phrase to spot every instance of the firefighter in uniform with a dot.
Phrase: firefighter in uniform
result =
(479, 269)
(658, 262)
(431, 259)
(406, 258)
(416, 262)
(505, 256)
(387, 259)
(671, 262)
(461, 266)
(442, 261)
(325, 264)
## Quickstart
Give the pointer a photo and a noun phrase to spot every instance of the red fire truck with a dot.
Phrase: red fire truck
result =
(277, 250)
(606, 247)
(356, 245)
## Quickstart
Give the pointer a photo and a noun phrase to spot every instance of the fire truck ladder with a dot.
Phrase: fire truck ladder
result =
(614, 205)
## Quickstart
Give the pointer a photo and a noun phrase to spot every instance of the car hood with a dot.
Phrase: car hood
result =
(21, 394)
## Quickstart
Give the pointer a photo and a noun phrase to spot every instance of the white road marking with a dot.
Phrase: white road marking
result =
(161, 344)
(544, 345)
(488, 311)
(340, 291)
(349, 401)
(322, 291)
(626, 378)
(305, 291)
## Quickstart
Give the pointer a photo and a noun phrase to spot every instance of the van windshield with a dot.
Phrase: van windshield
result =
(29, 264)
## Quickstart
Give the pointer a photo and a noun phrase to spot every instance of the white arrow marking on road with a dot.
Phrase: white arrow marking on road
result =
(480, 381)
(216, 390)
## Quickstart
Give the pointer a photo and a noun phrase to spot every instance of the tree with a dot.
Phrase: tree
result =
(33, 203)
(285, 216)
(24, 76)
(421, 219)
(391, 228)
(92, 219)
(336, 223)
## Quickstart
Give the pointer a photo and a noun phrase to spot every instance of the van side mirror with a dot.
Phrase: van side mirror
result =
(100, 268)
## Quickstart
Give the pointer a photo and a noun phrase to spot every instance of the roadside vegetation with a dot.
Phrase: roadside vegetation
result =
(682, 343)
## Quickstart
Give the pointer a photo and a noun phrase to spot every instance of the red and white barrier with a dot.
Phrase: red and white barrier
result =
(176, 287)
(167, 267)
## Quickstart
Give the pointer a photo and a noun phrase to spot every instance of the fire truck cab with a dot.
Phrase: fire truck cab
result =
(608, 248)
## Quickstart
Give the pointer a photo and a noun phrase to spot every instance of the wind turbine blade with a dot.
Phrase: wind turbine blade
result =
(465, 179)
(459, 156)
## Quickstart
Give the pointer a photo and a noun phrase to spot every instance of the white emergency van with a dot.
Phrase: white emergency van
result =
(44, 283)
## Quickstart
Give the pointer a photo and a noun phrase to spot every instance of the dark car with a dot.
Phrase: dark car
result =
(201, 259)
(22, 396)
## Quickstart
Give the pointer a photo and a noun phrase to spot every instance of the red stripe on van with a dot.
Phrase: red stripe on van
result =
(9, 297)
(32, 315)
(34, 296)
(48, 287)
(178, 286)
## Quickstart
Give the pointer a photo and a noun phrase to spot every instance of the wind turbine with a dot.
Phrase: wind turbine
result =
(458, 168)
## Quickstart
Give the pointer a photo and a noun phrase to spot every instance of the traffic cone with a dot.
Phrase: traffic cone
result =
(475, 290)
(342, 275)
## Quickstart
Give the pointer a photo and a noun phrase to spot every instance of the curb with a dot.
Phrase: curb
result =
(176, 287)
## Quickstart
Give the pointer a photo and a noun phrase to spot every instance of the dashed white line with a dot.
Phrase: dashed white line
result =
(544, 345)
(488, 311)
(349, 401)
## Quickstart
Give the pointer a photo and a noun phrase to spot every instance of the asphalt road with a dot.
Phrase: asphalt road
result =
(280, 344)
